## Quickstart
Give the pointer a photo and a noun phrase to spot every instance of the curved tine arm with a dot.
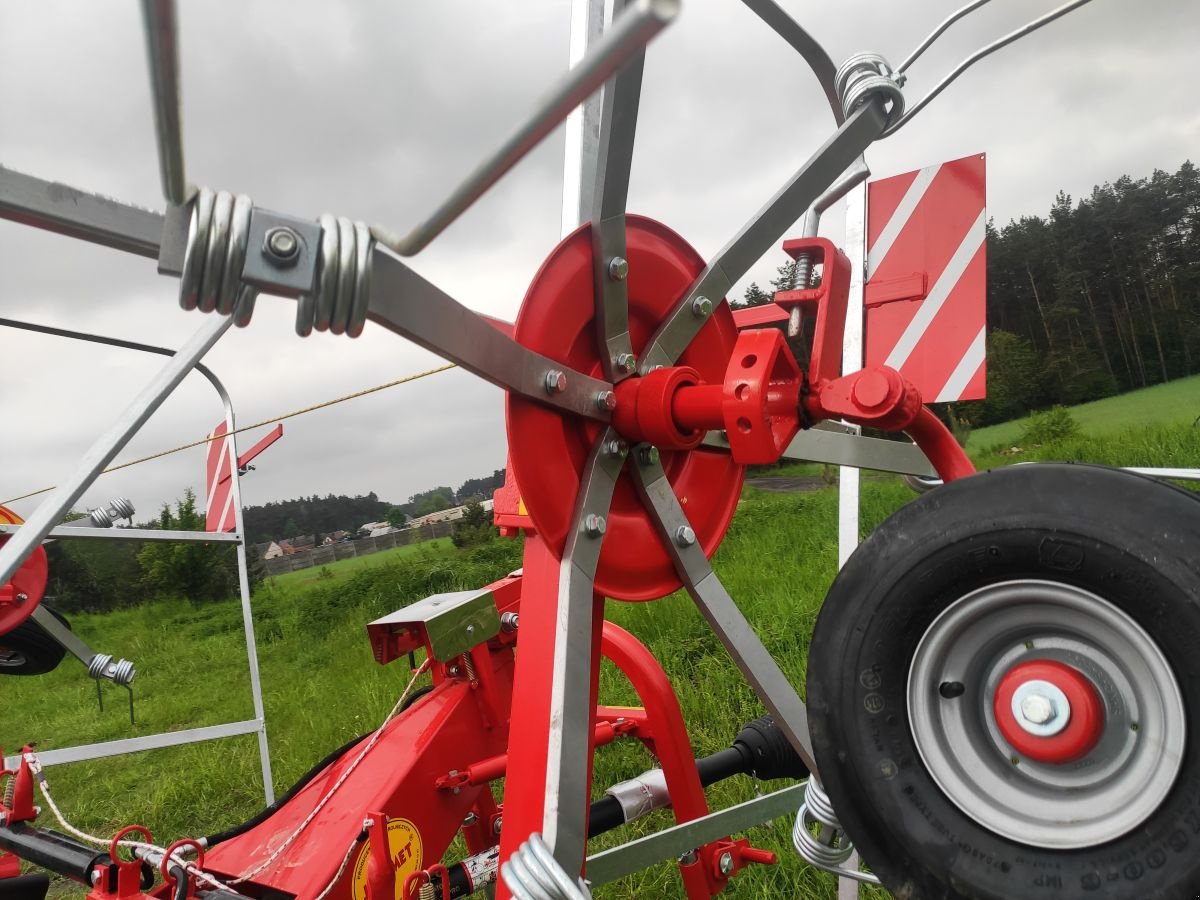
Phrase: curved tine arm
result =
(804, 44)
(718, 608)
(980, 54)
(565, 810)
(162, 50)
(618, 126)
(757, 236)
(851, 178)
(405, 303)
(937, 33)
(621, 43)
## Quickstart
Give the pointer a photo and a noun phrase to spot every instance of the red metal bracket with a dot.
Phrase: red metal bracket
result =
(830, 299)
(127, 885)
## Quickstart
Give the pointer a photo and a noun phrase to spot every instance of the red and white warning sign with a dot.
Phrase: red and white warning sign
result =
(926, 286)
(218, 496)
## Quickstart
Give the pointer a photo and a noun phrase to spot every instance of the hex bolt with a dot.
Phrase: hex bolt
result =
(684, 536)
(648, 456)
(509, 622)
(556, 382)
(470, 819)
(1038, 709)
(726, 863)
(618, 268)
(281, 246)
(702, 307)
(21, 598)
(470, 630)
(452, 671)
(496, 824)
(688, 858)
(594, 525)
(606, 400)
(616, 449)
(626, 362)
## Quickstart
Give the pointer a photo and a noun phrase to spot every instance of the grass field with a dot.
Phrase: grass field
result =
(1174, 403)
(344, 567)
(322, 686)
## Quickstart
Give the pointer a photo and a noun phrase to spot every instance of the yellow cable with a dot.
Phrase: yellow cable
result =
(270, 421)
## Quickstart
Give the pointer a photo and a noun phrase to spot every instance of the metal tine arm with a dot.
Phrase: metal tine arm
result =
(718, 608)
(162, 49)
(618, 126)
(619, 45)
(937, 33)
(806, 45)
(978, 55)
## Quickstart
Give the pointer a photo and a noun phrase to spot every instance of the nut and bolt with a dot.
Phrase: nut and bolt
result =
(470, 819)
(282, 245)
(21, 598)
(470, 629)
(688, 858)
(725, 863)
(556, 382)
(1038, 709)
(509, 622)
(606, 400)
(648, 456)
(684, 536)
(702, 307)
(626, 362)
(594, 525)
(618, 268)
(496, 824)
(616, 449)
(453, 672)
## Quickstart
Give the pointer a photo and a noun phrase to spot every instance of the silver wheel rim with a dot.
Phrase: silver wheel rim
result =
(1098, 798)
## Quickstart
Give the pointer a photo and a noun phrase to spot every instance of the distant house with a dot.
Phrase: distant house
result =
(303, 542)
(382, 528)
(371, 527)
(446, 515)
(269, 550)
(332, 538)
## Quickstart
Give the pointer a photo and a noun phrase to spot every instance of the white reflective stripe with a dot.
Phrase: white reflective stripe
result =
(226, 454)
(878, 251)
(227, 511)
(966, 369)
(941, 290)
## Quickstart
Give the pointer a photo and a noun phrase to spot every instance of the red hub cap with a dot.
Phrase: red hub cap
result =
(1048, 711)
(548, 449)
(19, 597)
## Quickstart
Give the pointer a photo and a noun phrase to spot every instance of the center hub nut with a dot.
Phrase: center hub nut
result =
(1048, 711)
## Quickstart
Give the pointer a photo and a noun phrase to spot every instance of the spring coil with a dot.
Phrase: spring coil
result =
(218, 235)
(120, 508)
(339, 304)
(832, 849)
(102, 666)
(468, 667)
(867, 75)
(532, 873)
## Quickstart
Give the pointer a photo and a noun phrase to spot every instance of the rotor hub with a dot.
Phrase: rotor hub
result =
(1049, 711)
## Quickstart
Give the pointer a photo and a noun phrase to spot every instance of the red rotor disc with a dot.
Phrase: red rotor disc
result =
(1083, 731)
(29, 580)
(548, 449)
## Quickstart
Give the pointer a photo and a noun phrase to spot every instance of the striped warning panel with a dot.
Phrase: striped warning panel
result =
(219, 494)
(926, 288)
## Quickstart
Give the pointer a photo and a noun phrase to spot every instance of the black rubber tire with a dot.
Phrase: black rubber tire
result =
(1134, 541)
(29, 650)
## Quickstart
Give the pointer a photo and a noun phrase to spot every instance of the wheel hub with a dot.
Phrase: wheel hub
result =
(1049, 711)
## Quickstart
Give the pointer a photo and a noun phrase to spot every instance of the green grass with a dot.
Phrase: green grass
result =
(1173, 403)
(343, 567)
(321, 685)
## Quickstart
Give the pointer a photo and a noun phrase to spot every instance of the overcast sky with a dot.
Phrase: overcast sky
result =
(375, 110)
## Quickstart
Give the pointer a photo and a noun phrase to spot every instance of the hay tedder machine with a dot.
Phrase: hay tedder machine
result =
(1003, 680)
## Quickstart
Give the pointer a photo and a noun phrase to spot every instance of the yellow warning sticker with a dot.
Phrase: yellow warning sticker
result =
(404, 850)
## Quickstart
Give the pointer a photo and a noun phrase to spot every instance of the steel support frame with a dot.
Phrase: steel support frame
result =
(42, 524)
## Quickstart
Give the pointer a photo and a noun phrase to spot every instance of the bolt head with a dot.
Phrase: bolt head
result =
(702, 307)
(594, 525)
(496, 825)
(618, 268)
(616, 449)
(688, 858)
(1038, 709)
(726, 863)
(22, 597)
(282, 245)
(606, 400)
(685, 536)
(649, 456)
(556, 382)
(509, 622)
(470, 819)
(452, 671)
(627, 363)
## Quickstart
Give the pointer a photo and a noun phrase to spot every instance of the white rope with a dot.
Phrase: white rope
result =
(35, 767)
(291, 838)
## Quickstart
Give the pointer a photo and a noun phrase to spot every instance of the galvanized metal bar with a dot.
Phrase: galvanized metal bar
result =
(405, 303)
(564, 822)
(582, 142)
(102, 452)
(761, 232)
(138, 744)
(162, 50)
(804, 44)
(68, 639)
(840, 445)
(718, 608)
(852, 360)
(57, 207)
(132, 534)
(620, 43)
(671, 843)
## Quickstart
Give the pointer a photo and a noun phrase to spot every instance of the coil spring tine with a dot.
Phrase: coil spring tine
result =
(532, 873)
(864, 75)
(243, 308)
(833, 848)
(362, 283)
(215, 252)
(193, 254)
(345, 279)
(326, 274)
(235, 256)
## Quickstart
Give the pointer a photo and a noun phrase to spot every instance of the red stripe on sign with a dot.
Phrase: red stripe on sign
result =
(219, 513)
(885, 197)
(929, 225)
